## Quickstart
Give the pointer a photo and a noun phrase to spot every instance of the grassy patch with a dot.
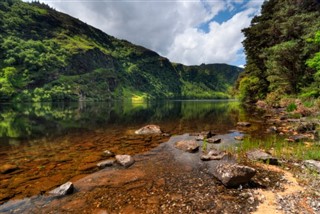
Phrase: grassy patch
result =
(291, 107)
(279, 148)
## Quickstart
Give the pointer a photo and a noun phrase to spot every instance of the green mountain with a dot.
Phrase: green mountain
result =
(46, 55)
(282, 47)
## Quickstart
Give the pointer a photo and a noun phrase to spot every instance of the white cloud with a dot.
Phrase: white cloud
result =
(221, 44)
(169, 27)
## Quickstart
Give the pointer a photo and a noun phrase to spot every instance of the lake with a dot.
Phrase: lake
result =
(43, 145)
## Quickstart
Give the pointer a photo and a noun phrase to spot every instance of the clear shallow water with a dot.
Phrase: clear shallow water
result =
(51, 143)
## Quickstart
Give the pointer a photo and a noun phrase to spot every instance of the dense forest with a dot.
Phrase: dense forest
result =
(282, 47)
(46, 55)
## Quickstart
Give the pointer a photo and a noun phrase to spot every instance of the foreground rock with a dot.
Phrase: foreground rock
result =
(149, 129)
(106, 163)
(64, 189)
(315, 165)
(259, 155)
(232, 174)
(125, 160)
(187, 145)
(214, 155)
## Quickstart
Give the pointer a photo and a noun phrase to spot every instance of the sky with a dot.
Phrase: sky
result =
(191, 32)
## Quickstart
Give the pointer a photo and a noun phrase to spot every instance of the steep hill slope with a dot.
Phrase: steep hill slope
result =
(46, 55)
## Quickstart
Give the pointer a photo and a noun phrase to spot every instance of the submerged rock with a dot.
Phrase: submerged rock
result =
(149, 129)
(64, 189)
(106, 163)
(213, 155)
(315, 165)
(7, 168)
(259, 155)
(232, 175)
(125, 160)
(244, 124)
(187, 145)
(108, 153)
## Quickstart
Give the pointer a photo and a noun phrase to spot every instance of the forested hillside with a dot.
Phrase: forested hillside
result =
(46, 55)
(282, 49)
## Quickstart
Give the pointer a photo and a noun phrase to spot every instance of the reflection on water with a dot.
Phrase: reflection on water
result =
(29, 121)
(47, 144)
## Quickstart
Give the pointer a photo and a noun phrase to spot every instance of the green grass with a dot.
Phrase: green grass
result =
(204, 145)
(279, 148)
(291, 107)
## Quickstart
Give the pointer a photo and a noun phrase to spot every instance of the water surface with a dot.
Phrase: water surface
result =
(51, 143)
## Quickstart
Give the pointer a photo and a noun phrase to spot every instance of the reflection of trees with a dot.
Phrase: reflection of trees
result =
(50, 119)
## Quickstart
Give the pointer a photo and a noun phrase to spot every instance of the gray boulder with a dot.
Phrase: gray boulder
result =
(232, 174)
(125, 160)
(149, 129)
(64, 189)
(259, 155)
(187, 145)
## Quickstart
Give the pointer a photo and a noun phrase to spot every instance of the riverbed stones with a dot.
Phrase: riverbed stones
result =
(105, 163)
(149, 129)
(272, 129)
(7, 168)
(239, 138)
(244, 124)
(64, 189)
(297, 138)
(305, 127)
(108, 153)
(232, 174)
(187, 145)
(214, 140)
(202, 135)
(259, 155)
(213, 155)
(124, 160)
(313, 164)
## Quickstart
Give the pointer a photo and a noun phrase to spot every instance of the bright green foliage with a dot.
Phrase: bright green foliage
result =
(277, 46)
(284, 67)
(314, 62)
(49, 56)
(291, 107)
(248, 88)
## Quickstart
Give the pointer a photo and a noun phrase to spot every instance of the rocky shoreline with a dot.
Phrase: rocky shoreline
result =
(186, 174)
